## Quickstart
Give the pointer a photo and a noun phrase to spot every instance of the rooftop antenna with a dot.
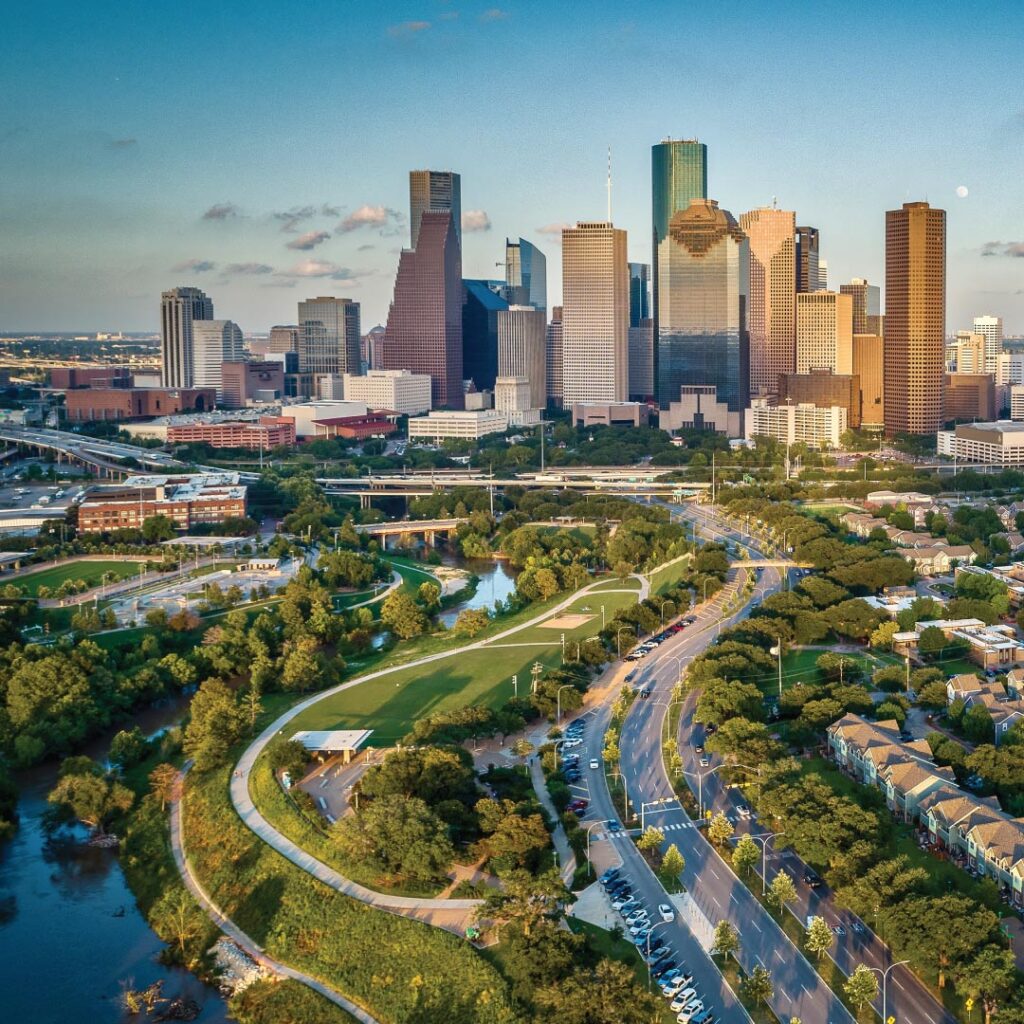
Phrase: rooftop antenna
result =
(775, 202)
(609, 184)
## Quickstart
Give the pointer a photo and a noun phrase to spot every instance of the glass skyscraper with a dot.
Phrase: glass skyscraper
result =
(679, 174)
(639, 293)
(526, 274)
(703, 292)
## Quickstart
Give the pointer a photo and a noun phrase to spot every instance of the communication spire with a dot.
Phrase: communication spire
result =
(609, 184)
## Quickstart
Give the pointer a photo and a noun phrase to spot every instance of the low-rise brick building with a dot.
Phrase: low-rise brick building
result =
(84, 404)
(265, 433)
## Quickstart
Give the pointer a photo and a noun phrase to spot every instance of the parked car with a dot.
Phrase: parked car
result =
(676, 984)
(743, 811)
(611, 873)
(689, 1012)
(684, 998)
(619, 901)
(667, 913)
(659, 970)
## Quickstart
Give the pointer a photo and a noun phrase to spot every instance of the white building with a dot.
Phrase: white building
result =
(1000, 443)
(305, 413)
(514, 396)
(522, 349)
(464, 424)
(815, 426)
(991, 328)
(214, 342)
(330, 387)
(1017, 401)
(399, 391)
(1009, 368)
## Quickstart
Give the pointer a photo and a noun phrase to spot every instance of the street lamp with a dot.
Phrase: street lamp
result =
(885, 984)
(764, 840)
(618, 639)
(651, 803)
(591, 826)
(650, 933)
(663, 603)
(707, 580)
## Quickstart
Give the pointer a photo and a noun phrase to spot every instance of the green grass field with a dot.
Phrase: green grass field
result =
(663, 580)
(801, 667)
(91, 572)
(619, 584)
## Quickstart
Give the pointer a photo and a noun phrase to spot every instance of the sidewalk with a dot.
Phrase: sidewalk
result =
(566, 857)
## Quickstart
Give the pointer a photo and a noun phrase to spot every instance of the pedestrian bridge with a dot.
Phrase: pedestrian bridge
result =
(429, 528)
(772, 563)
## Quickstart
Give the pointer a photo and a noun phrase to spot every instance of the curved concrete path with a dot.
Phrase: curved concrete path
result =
(249, 945)
(433, 911)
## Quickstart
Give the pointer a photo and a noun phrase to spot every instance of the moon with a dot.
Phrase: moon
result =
(962, 191)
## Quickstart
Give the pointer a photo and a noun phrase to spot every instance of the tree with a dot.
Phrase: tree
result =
(819, 937)
(288, 756)
(522, 747)
(252, 701)
(672, 863)
(931, 640)
(429, 595)
(882, 635)
(471, 621)
(128, 747)
(84, 792)
(745, 856)
(720, 829)
(163, 783)
(526, 899)
(781, 891)
(156, 529)
(177, 914)
(651, 839)
(402, 615)
(758, 986)
(398, 836)
(727, 940)
(605, 994)
(991, 977)
(862, 986)
(215, 725)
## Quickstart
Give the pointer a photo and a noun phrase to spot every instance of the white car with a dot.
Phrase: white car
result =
(639, 925)
(689, 1012)
(595, 764)
(683, 999)
(667, 913)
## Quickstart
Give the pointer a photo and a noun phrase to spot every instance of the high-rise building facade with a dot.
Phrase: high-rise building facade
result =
(482, 301)
(679, 174)
(824, 332)
(435, 192)
(595, 313)
(284, 338)
(968, 353)
(641, 334)
(868, 369)
(822, 274)
(639, 293)
(991, 329)
(703, 285)
(807, 259)
(179, 307)
(424, 328)
(329, 333)
(214, 343)
(824, 389)
(554, 357)
(771, 316)
(969, 396)
(867, 305)
(526, 274)
(915, 318)
(522, 349)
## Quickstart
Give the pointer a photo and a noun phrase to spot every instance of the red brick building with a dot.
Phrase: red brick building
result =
(357, 427)
(253, 380)
(65, 378)
(119, 403)
(266, 433)
(186, 500)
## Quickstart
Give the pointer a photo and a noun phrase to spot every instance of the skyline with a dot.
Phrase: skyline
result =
(158, 183)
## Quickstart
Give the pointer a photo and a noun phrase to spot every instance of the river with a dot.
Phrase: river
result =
(70, 932)
(496, 581)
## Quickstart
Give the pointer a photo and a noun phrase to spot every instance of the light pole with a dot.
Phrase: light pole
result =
(618, 641)
(764, 840)
(651, 803)
(558, 701)
(591, 826)
(706, 582)
(650, 933)
(663, 603)
(885, 984)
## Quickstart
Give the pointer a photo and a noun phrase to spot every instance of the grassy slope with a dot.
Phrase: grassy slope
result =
(91, 572)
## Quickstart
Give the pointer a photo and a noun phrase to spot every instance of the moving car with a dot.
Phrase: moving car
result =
(704, 762)
(594, 763)
(614, 827)
(667, 913)
(743, 811)
(811, 878)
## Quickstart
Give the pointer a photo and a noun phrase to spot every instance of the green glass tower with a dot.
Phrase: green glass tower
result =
(679, 173)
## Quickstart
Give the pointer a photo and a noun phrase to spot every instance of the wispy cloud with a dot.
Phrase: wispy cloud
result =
(367, 216)
(248, 268)
(553, 230)
(193, 266)
(222, 211)
(330, 211)
(408, 28)
(1003, 249)
(291, 219)
(321, 268)
(476, 220)
(493, 14)
(365, 247)
(310, 240)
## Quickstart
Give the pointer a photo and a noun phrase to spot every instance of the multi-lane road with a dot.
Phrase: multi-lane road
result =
(798, 989)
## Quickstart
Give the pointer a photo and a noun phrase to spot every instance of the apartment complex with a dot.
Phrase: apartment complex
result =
(816, 427)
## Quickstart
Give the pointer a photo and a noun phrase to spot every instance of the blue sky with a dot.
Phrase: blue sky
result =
(149, 144)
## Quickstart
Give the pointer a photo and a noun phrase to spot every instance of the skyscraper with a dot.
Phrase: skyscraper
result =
(822, 273)
(526, 274)
(824, 332)
(867, 305)
(915, 318)
(522, 349)
(481, 303)
(868, 369)
(214, 343)
(424, 328)
(329, 334)
(991, 329)
(807, 259)
(679, 174)
(595, 313)
(641, 333)
(703, 287)
(771, 315)
(434, 191)
(553, 347)
(968, 352)
(284, 338)
(178, 308)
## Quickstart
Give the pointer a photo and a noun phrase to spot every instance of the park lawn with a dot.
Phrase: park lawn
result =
(91, 572)
(592, 602)
(616, 583)
(663, 580)
(801, 667)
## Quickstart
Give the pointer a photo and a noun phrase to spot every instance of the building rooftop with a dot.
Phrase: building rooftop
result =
(332, 739)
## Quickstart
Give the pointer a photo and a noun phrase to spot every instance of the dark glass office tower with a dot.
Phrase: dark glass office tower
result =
(481, 303)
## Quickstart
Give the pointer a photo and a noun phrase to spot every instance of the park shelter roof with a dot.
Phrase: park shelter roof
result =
(333, 739)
